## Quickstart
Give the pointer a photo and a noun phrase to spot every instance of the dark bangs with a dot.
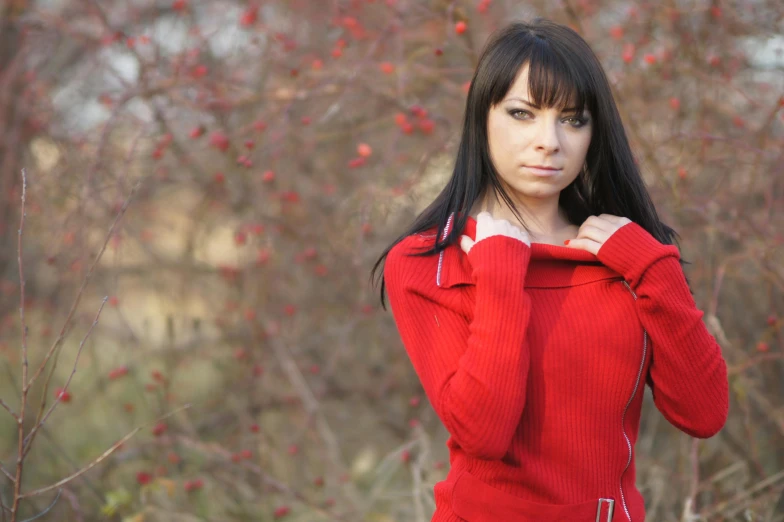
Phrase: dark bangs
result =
(554, 80)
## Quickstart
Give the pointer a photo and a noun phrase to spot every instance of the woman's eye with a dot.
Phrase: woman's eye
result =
(515, 112)
(577, 121)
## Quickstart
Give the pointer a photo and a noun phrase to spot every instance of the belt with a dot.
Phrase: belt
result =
(475, 501)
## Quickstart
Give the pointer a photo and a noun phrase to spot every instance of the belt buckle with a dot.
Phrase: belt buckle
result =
(611, 506)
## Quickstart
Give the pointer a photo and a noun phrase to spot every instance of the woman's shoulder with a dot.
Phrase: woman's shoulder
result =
(401, 264)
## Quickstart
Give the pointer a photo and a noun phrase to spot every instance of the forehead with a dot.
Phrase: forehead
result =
(550, 87)
(519, 87)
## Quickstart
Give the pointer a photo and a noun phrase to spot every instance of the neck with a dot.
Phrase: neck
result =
(544, 218)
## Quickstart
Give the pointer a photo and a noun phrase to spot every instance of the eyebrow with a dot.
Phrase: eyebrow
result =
(533, 105)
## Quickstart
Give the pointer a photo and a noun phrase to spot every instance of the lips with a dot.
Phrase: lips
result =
(542, 171)
(542, 167)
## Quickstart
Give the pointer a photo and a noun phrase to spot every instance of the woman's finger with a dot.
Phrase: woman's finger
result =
(466, 243)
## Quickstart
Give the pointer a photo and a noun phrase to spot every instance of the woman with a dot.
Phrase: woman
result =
(533, 344)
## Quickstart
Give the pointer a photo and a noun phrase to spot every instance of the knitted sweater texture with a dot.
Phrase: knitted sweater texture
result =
(535, 359)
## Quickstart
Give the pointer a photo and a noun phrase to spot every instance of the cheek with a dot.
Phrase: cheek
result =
(503, 141)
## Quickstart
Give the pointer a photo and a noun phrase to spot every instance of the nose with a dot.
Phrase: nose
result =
(547, 138)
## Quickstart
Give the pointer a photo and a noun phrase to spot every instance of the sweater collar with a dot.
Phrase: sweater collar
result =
(550, 266)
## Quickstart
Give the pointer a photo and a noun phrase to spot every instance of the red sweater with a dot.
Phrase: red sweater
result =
(535, 359)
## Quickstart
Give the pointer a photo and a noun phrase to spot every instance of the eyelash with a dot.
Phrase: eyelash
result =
(582, 121)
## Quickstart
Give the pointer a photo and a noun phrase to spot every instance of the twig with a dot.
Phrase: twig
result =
(7, 473)
(8, 409)
(101, 458)
(81, 289)
(41, 421)
(20, 419)
(45, 511)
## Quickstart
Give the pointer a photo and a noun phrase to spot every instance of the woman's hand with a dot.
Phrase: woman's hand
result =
(595, 231)
(487, 226)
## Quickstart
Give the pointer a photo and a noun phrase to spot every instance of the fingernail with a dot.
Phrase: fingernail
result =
(567, 242)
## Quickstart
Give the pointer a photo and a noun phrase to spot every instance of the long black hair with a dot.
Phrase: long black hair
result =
(563, 71)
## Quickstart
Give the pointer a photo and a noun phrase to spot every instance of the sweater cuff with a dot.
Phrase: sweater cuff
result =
(631, 250)
(504, 257)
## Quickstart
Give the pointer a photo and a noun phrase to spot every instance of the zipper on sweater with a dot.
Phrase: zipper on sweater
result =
(441, 255)
(623, 417)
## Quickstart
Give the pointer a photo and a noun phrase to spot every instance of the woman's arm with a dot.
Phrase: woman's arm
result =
(688, 375)
(473, 372)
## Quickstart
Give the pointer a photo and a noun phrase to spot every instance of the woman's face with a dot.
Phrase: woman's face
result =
(522, 137)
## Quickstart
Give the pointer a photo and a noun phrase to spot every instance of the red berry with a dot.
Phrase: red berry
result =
(254, 428)
(62, 395)
(197, 132)
(159, 429)
(414, 401)
(356, 162)
(460, 27)
(364, 150)
(193, 485)
(143, 477)
(118, 372)
(250, 16)
(387, 68)
(675, 103)
(772, 320)
(649, 59)
(418, 111)
(262, 256)
(219, 141)
(427, 126)
(282, 511)
(762, 347)
(250, 314)
(616, 32)
(199, 71)
(219, 177)
(179, 5)
(268, 176)
(628, 52)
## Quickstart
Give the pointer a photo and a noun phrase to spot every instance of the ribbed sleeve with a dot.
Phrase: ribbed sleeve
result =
(473, 370)
(688, 375)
